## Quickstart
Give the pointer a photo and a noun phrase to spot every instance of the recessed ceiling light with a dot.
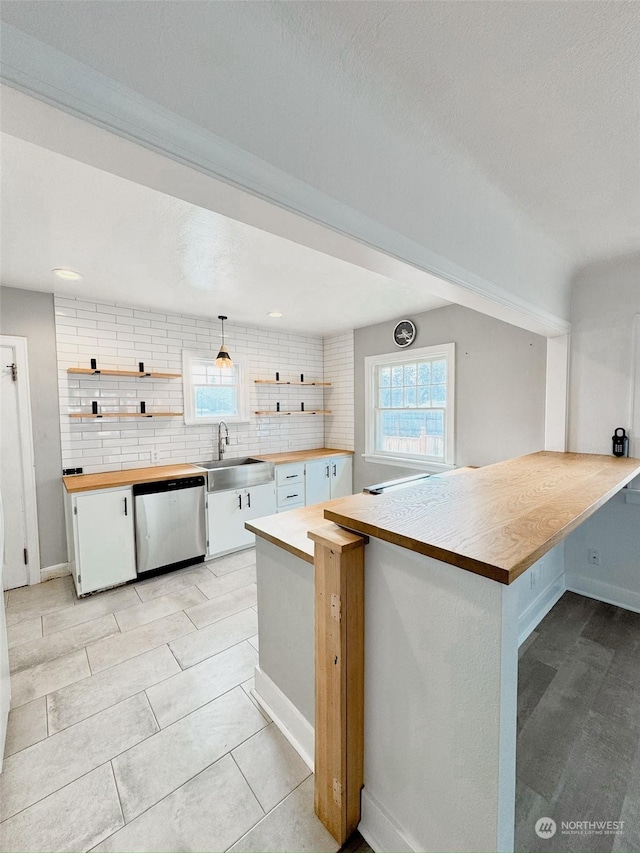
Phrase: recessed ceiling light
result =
(274, 314)
(67, 275)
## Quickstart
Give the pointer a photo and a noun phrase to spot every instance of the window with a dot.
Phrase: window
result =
(410, 407)
(211, 393)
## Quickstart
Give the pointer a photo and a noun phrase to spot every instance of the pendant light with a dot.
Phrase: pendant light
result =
(223, 359)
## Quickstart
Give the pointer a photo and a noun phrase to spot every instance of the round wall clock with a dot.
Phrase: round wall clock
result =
(404, 333)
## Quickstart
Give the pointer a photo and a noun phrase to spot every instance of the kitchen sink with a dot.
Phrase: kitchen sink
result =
(225, 474)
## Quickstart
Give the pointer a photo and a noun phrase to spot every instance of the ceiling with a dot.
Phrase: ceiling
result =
(139, 247)
(543, 96)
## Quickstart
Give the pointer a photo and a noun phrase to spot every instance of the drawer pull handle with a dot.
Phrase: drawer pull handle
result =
(239, 501)
(125, 507)
(334, 471)
(291, 476)
(292, 496)
(249, 500)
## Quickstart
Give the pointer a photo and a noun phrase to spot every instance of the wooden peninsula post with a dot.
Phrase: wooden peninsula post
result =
(339, 677)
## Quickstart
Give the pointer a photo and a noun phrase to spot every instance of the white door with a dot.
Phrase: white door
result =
(261, 501)
(318, 481)
(5, 685)
(341, 477)
(12, 469)
(106, 546)
(225, 521)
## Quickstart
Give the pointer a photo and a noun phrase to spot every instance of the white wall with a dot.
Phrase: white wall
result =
(120, 337)
(338, 369)
(615, 531)
(605, 299)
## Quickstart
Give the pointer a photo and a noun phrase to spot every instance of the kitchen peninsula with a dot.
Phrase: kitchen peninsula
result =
(449, 596)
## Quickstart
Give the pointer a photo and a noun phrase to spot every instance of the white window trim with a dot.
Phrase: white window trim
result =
(190, 418)
(405, 461)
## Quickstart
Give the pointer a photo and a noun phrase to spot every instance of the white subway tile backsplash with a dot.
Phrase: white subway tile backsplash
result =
(338, 368)
(120, 337)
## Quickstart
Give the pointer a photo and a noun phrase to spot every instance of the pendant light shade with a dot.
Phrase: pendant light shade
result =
(223, 359)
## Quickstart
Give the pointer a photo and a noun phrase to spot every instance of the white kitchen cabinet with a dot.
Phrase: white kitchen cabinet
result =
(227, 513)
(341, 476)
(318, 481)
(101, 538)
(290, 483)
(328, 478)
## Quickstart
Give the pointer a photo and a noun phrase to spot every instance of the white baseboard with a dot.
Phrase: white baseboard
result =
(380, 832)
(296, 728)
(57, 571)
(538, 609)
(626, 598)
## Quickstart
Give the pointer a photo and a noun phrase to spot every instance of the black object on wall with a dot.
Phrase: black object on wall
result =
(620, 441)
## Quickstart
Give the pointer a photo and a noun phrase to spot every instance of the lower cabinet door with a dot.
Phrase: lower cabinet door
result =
(228, 511)
(318, 481)
(105, 539)
(261, 501)
(341, 476)
(225, 522)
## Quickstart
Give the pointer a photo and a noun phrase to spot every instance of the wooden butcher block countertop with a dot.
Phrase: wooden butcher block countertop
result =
(301, 455)
(495, 521)
(290, 530)
(112, 479)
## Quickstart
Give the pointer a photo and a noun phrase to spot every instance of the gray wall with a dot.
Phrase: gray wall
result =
(500, 386)
(30, 315)
(285, 598)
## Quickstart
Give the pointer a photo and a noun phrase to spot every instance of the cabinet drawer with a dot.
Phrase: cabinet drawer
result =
(292, 495)
(290, 474)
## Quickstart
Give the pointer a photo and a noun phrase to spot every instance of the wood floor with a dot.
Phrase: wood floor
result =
(355, 844)
(578, 752)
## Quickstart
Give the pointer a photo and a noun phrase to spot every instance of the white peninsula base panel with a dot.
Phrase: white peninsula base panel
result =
(440, 688)
(441, 673)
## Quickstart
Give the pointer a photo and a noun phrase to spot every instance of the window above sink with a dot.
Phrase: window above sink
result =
(213, 394)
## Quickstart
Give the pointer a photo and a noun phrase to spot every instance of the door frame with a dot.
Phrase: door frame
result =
(25, 428)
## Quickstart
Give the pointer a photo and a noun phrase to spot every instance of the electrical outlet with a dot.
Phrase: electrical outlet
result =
(155, 456)
(594, 556)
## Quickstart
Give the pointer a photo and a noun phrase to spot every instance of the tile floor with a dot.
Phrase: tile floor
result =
(133, 727)
(578, 751)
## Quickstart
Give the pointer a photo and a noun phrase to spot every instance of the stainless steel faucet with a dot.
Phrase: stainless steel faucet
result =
(222, 439)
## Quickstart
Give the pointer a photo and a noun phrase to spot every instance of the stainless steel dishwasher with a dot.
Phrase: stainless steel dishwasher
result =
(170, 523)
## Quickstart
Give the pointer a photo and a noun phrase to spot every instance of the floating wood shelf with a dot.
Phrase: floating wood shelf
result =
(89, 371)
(285, 382)
(294, 412)
(127, 415)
